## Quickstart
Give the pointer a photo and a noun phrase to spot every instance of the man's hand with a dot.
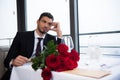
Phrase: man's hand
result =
(19, 60)
(56, 28)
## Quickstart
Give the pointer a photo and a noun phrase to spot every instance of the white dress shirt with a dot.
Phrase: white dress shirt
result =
(36, 41)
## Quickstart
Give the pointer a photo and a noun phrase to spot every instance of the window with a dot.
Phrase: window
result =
(100, 18)
(59, 9)
(8, 21)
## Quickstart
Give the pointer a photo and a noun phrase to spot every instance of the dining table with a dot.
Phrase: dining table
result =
(108, 68)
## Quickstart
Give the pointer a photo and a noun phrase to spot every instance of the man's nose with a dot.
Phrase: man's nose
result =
(46, 25)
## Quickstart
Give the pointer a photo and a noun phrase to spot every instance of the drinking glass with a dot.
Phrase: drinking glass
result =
(69, 42)
(93, 51)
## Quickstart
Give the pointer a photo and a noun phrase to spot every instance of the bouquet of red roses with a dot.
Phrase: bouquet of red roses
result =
(55, 58)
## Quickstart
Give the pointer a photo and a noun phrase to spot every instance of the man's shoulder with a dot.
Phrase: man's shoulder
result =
(25, 33)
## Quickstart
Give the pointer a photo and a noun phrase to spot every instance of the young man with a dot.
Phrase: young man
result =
(25, 43)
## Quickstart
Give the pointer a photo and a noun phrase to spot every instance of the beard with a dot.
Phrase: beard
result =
(42, 32)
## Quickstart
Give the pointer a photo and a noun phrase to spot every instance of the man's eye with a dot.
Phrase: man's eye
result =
(43, 21)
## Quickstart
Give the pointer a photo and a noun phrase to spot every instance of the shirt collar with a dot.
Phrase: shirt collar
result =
(37, 36)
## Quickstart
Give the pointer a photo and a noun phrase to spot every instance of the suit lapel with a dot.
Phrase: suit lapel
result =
(30, 43)
(47, 39)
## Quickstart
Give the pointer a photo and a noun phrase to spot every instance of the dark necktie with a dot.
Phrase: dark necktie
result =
(38, 48)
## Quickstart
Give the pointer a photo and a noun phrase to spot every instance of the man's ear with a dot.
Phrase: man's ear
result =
(37, 21)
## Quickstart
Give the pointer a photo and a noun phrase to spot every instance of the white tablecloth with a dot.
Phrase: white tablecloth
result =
(26, 72)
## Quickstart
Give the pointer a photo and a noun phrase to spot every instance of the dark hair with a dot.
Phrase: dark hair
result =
(47, 14)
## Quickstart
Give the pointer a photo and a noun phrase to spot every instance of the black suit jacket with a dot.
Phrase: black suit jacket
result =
(23, 44)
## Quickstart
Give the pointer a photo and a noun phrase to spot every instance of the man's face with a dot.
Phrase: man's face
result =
(44, 24)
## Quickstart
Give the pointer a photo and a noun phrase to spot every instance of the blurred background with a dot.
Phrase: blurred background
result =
(80, 19)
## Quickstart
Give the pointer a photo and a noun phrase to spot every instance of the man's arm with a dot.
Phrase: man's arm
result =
(57, 29)
(13, 57)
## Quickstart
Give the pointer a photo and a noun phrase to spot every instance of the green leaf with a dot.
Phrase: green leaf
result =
(39, 62)
(51, 48)
(42, 66)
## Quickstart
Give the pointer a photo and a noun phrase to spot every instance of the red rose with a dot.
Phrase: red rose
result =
(74, 55)
(62, 66)
(52, 61)
(62, 48)
(64, 54)
(71, 64)
(66, 64)
(46, 74)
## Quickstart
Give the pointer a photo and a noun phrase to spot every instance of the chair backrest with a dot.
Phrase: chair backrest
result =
(3, 53)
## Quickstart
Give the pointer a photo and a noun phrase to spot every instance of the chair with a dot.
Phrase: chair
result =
(3, 53)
